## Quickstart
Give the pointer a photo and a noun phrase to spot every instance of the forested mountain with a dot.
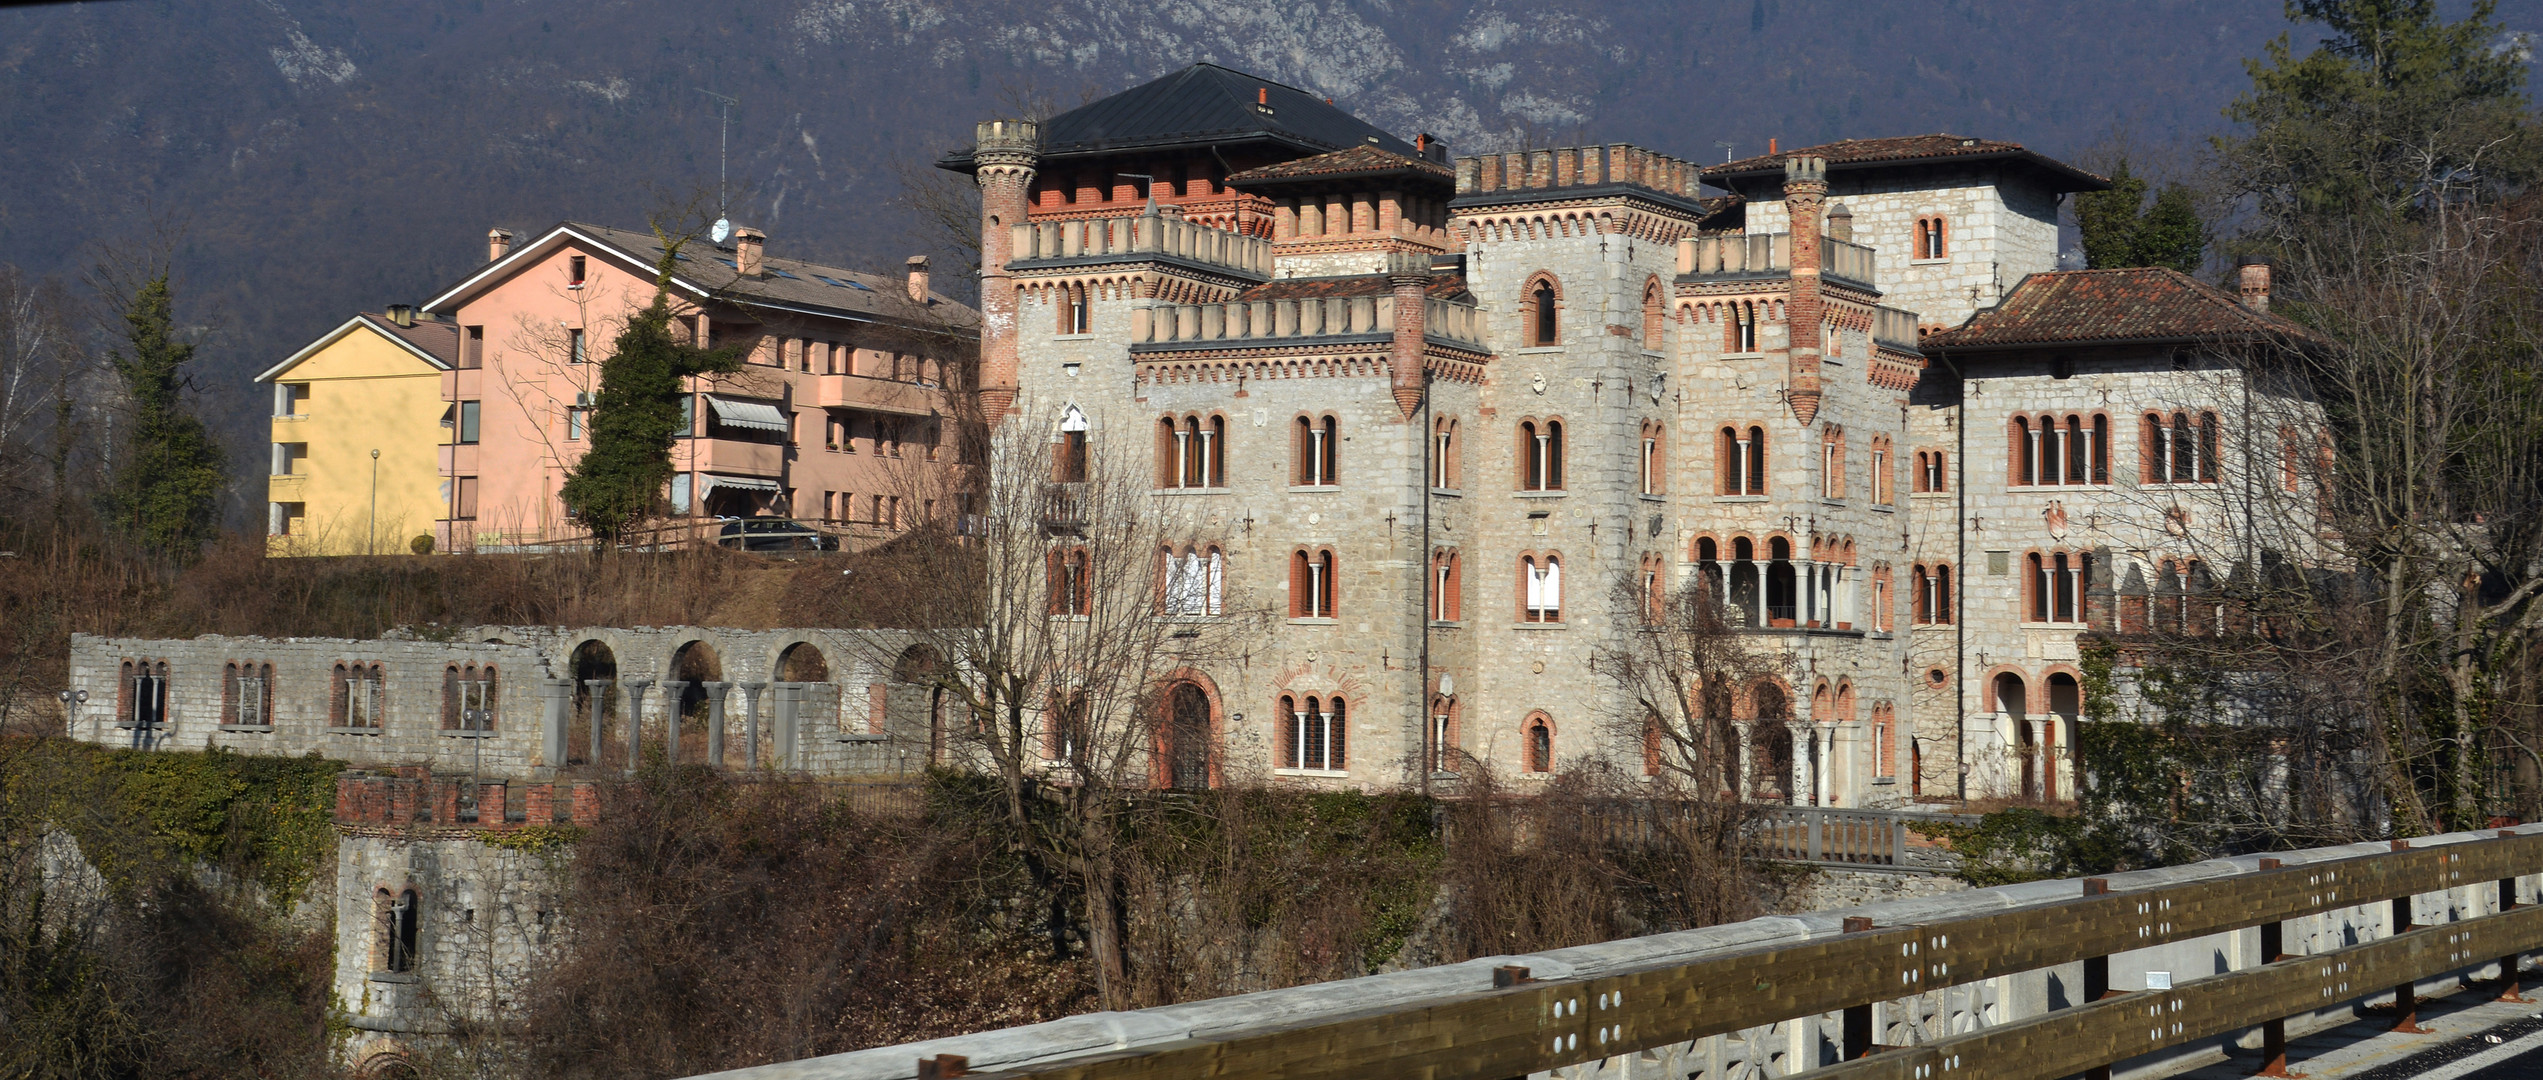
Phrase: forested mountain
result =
(321, 156)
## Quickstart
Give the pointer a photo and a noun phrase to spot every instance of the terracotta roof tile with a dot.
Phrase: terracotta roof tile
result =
(2142, 304)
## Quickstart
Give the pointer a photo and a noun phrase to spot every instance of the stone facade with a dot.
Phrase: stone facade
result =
(1598, 288)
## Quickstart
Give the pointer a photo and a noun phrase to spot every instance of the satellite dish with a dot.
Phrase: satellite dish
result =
(723, 230)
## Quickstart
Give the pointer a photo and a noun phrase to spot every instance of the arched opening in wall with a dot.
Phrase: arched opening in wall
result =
(589, 661)
(1183, 738)
(2011, 700)
(802, 662)
(1747, 586)
(389, 1066)
(2066, 702)
(1721, 738)
(1770, 746)
(1783, 590)
(696, 664)
(398, 917)
(918, 668)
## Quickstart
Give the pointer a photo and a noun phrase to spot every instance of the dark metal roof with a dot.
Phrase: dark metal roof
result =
(1356, 163)
(1203, 104)
(1847, 155)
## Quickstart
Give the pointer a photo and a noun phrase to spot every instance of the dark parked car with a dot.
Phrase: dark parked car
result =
(772, 534)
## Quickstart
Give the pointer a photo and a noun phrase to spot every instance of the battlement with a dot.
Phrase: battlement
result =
(1254, 323)
(414, 796)
(1529, 171)
(1142, 234)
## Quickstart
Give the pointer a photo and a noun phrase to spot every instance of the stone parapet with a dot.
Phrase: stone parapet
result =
(412, 795)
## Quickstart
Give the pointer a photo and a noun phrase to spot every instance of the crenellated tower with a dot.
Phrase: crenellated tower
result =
(1003, 158)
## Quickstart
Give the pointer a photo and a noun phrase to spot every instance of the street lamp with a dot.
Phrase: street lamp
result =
(71, 701)
(374, 547)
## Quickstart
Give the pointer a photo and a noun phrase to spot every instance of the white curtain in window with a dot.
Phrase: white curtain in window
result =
(1218, 581)
(1553, 585)
(1536, 587)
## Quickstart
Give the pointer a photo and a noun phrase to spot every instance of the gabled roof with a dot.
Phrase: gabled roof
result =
(1906, 150)
(704, 271)
(1354, 163)
(2142, 305)
(433, 342)
(1199, 105)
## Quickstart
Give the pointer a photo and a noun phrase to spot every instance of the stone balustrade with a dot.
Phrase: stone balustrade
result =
(1268, 321)
(1894, 327)
(1142, 234)
(1760, 254)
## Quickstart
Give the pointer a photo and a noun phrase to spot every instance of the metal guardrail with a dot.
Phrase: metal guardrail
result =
(1618, 1011)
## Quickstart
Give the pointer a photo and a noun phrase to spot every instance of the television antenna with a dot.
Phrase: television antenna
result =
(1726, 152)
(724, 144)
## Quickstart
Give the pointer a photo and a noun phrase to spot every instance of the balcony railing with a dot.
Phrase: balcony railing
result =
(1144, 234)
(1770, 255)
(1064, 507)
(1894, 327)
(878, 395)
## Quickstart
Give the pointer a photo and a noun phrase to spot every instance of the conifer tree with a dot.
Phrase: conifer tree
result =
(2120, 229)
(165, 494)
(620, 479)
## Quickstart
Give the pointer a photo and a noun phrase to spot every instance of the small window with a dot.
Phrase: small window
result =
(1543, 325)
(574, 272)
(1741, 463)
(574, 419)
(1319, 451)
(1311, 584)
(472, 347)
(468, 698)
(1540, 745)
(1541, 588)
(463, 499)
(1312, 730)
(468, 418)
(1071, 576)
(1540, 452)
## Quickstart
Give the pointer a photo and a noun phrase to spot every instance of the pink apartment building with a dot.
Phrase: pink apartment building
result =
(843, 416)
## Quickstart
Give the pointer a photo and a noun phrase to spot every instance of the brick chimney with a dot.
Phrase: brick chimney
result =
(749, 252)
(2254, 274)
(498, 243)
(1805, 193)
(1408, 278)
(1003, 161)
(402, 314)
(918, 279)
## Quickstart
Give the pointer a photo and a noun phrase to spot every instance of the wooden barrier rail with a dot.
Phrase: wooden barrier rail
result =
(1533, 1027)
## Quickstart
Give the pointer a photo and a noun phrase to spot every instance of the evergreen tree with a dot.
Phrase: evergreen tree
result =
(2119, 229)
(165, 494)
(2392, 102)
(620, 479)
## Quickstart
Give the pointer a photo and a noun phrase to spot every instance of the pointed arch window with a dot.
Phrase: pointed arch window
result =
(1543, 324)
(1539, 746)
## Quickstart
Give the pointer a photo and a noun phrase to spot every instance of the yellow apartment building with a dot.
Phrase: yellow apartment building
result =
(358, 421)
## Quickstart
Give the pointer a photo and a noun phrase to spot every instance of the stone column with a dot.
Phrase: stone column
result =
(671, 692)
(636, 722)
(790, 698)
(751, 720)
(599, 690)
(715, 692)
(1003, 159)
(1759, 613)
(1740, 778)
(556, 701)
(2039, 760)
(1824, 774)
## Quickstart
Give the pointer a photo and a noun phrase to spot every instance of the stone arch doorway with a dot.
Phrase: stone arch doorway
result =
(2066, 704)
(1186, 742)
(922, 668)
(592, 659)
(802, 662)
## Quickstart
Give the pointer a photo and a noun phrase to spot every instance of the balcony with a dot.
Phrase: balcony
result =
(1894, 328)
(878, 395)
(1064, 508)
(737, 457)
(1769, 255)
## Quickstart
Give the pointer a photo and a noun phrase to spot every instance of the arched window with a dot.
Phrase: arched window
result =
(1832, 462)
(1882, 601)
(1653, 585)
(468, 697)
(1192, 581)
(1653, 302)
(2025, 452)
(1074, 313)
(1932, 601)
(1311, 585)
(1312, 732)
(2180, 449)
(1071, 582)
(399, 916)
(1933, 238)
(1446, 586)
(2054, 584)
(1655, 465)
(1742, 460)
(1931, 473)
(356, 700)
(247, 694)
(1068, 461)
(1444, 733)
(1883, 493)
(1540, 452)
(1185, 738)
(1540, 745)
(1443, 454)
(1319, 439)
(1541, 302)
(1191, 451)
(1068, 728)
(1739, 325)
(1541, 588)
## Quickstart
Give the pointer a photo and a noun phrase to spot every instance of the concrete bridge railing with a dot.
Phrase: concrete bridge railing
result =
(2139, 974)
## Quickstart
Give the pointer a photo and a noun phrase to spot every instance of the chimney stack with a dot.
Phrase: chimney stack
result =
(918, 279)
(750, 252)
(1840, 223)
(1805, 197)
(498, 243)
(2254, 273)
(402, 314)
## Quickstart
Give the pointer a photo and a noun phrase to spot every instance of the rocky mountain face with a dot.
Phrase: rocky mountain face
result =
(314, 157)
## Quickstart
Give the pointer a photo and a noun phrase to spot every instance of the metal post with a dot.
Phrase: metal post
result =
(636, 723)
(2096, 974)
(599, 689)
(2405, 996)
(671, 692)
(750, 718)
(715, 692)
(2509, 981)
(1858, 1018)
(2273, 1031)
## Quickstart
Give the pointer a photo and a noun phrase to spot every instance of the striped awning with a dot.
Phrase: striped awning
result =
(747, 414)
(711, 481)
